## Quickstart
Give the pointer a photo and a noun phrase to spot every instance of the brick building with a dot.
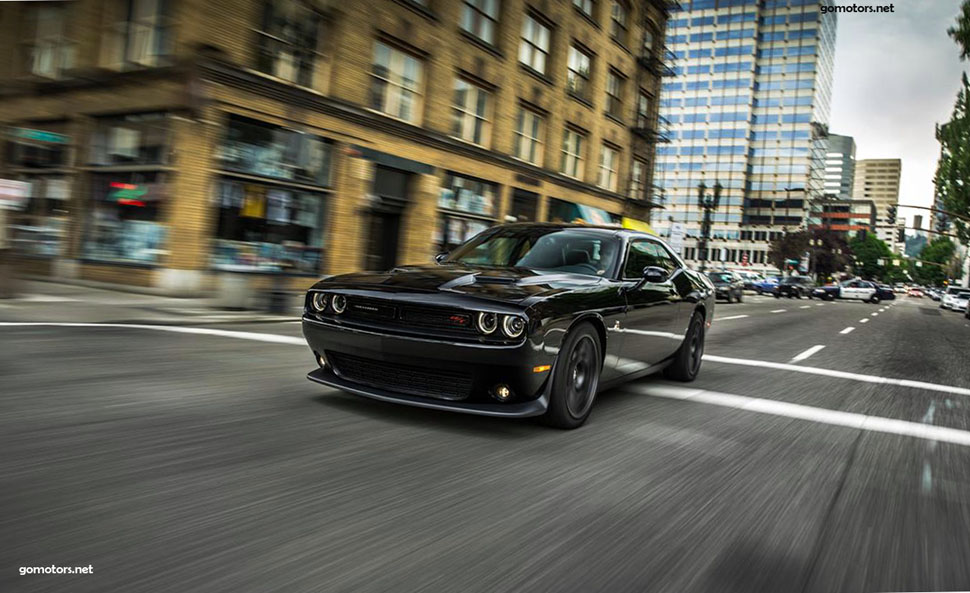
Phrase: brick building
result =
(164, 140)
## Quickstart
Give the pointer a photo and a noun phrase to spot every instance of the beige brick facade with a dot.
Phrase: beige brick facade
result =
(211, 73)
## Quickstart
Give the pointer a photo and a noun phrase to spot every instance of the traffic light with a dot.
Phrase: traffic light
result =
(891, 215)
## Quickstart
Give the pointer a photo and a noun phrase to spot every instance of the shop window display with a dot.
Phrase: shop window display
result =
(466, 207)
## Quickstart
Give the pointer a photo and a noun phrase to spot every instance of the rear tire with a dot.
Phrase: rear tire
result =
(687, 362)
(741, 297)
(575, 379)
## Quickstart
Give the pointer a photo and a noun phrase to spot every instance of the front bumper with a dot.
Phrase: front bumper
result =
(480, 366)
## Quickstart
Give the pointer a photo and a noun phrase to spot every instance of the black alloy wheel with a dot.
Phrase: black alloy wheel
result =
(575, 379)
(687, 362)
(875, 299)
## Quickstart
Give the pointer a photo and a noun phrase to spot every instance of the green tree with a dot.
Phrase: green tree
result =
(938, 251)
(960, 32)
(791, 245)
(952, 179)
(868, 250)
(832, 256)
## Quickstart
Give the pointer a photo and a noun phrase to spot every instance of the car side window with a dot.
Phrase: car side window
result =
(643, 253)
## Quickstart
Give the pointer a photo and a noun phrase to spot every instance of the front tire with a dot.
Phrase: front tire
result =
(576, 379)
(874, 299)
(687, 361)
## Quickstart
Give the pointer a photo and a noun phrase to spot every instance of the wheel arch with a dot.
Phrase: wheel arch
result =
(596, 320)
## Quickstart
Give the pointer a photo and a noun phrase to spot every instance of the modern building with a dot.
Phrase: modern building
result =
(166, 141)
(839, 167)
(847, 216)
(878, 180)
(748, 110)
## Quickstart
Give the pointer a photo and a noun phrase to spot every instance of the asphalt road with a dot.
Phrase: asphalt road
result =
(208, 463)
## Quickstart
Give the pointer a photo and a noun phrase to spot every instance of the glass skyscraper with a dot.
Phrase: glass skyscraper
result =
(748, 108)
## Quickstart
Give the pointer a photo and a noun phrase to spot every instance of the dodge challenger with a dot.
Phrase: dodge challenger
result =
(523, 319)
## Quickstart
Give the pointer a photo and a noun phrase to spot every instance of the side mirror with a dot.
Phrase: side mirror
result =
(653, 274)
(441, 257)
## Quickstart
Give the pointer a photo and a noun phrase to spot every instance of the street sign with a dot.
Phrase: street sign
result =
(40, 135)
(13, 194)
(676, 239)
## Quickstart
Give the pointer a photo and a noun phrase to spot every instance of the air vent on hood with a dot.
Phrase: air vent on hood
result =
(482, 279)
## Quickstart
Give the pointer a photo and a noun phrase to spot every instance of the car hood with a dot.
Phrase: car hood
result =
(510, 285)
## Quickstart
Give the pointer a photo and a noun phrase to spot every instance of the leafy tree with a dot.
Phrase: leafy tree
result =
(868, 250)
(833, 255)
(939, 251)
(952, 178)
(789, 246)
(961, 31)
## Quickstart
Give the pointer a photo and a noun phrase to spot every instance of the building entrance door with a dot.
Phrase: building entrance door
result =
(384, 218)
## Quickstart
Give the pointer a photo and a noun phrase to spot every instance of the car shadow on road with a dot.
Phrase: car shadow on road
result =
(455, 422)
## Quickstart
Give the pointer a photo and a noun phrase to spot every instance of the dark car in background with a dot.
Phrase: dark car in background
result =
(884, 292)
(727, 285)
(795, 287)
(521, 320)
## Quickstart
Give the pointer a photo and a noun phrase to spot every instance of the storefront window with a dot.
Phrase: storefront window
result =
(570, 212)
(125, 220)
(267, 228)
(260, 148)
(41, 227)
(38, 146)
(135, 139)
(466, 207)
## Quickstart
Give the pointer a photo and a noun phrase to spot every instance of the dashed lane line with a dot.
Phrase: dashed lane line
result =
(807, 353)
(805, 307)
(874, 314)
(730, 317)
(847, 330)
(779, 310)
(810, 413)
(863, 321)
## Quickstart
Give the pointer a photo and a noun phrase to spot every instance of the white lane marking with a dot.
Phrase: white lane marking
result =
(838, 374)
(201, 331)
(779, 310)
(811, 413)
(730, 317)
(847, 330)
(805, 307)
(807, 353)
(876, 314)
(820, 305)
(863, 321)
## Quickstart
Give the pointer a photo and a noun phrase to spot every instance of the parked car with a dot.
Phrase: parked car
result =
(915, 292)
(884, 292)
(749, 278)
(766, 285)
(960, 301)
(857, 289)
(521, 320)
(727, 285)
(935, 294)
(946, 301)
(795, 287)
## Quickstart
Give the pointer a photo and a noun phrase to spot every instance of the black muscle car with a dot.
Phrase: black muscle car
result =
(521, 320)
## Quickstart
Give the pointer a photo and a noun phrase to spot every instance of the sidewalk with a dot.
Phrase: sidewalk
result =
(56, 302)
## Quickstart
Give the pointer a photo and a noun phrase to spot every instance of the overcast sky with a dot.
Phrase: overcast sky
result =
(896, 76)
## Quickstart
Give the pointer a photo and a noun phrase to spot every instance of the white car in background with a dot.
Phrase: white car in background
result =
(949, 295)
(960, 300)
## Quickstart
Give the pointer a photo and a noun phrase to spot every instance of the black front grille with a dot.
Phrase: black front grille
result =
(400, 378)
(408, 316)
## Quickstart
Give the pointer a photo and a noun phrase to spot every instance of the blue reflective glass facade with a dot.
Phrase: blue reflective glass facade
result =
(749, 108)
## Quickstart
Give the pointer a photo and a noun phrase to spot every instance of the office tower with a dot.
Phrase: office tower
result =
(748, 109)
(839, 167)
(878, 180)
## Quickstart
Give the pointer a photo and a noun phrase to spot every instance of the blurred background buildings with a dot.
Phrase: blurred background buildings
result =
(162, 142)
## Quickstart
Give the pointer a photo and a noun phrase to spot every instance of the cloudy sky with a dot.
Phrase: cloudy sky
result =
(896, 76)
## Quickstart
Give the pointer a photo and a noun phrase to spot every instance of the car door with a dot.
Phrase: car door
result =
(850, 290)
(866, 290)
(652, 327)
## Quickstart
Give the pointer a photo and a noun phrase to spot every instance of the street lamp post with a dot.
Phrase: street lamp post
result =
(709, 205)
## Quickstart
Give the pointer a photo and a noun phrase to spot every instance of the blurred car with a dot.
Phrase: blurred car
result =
(934, 293)
(946, 300)
(749, 278)
(915, 292)
(861, 290)
(795, 287)
(727, 285)
(884, 292)
(766, 285)
(959, 301)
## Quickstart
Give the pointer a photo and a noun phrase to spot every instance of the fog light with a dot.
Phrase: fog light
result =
(502, 393)
(321, 360)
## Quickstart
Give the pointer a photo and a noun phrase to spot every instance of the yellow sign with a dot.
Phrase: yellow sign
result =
(637, 225)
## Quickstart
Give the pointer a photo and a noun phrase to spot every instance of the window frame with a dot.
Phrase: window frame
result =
(614, 101)
(678, 263)
(479, 16)
(533, 47)
(399, 56)
(467, 115)
(576, 75)
(620, 30)
(535, 142)
(613, 174)
(575, 157)
(304, 56)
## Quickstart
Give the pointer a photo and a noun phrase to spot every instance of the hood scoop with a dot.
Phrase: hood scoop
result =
(477, 278)
(482, 279)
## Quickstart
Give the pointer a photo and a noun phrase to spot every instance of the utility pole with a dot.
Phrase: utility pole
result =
(709, 205)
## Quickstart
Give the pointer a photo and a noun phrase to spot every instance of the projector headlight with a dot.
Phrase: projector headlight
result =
(513, 326)
(486, 322)
(318, 302)
(339, 303)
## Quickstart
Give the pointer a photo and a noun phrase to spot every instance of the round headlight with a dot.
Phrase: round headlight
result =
(339, 303)
(487, 322)
(319, 302)
(513, 325)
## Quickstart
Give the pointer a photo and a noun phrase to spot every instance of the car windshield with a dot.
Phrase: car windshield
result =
(720, 276)
(544, 250)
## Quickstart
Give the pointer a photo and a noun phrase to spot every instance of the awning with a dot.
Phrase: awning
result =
(637, 225)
